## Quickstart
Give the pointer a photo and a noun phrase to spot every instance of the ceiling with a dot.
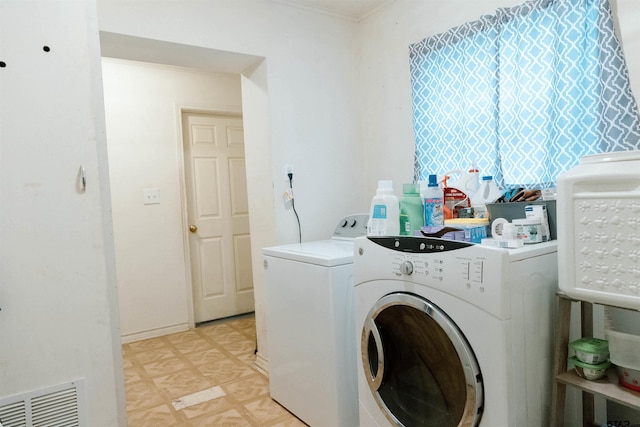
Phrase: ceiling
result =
(146, 50)
(350, 9)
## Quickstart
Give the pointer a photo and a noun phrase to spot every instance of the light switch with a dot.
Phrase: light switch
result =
(151, 196)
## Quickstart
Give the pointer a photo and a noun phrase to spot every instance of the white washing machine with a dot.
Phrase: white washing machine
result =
(454, 334)
(310, 326)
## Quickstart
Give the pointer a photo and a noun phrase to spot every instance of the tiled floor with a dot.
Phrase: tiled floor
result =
(220, 354)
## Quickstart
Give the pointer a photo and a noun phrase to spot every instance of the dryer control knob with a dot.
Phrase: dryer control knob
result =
(406, 268)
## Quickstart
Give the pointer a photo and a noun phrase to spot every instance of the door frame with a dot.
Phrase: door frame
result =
(184, 213)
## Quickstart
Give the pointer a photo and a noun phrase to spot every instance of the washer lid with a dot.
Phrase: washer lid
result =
(327, 253)
(613, 156)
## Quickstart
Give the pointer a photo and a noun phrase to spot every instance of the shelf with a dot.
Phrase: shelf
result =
(607, 386)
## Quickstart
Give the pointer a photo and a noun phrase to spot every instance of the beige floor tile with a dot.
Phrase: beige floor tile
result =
(229, 338)
(210, 356)
(226, 370)
(182, 383)
(247, 388)
(150, 356)
(143, 345)
(265, 410)
(165, 366)
(230, 418)
(161, 415)
(214, 406)
(215, 330)
(131, 373)
(142, 395)
(220, 353)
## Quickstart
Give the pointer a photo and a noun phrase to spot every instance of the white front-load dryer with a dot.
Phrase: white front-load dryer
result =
(310, 324)
(453, 334)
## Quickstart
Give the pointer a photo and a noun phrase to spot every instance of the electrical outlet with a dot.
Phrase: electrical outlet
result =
(151, 196)
(288, 196)
(288, 169)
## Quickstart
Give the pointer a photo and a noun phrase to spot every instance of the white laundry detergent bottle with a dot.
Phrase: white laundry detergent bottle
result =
(487, 193)
(468, 181)
(457, 193)
(384, 217)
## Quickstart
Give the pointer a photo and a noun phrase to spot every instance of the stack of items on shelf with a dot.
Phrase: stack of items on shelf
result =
(457, 209)
(591, 357)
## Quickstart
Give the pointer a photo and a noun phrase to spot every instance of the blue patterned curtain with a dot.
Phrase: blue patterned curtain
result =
(523, 94)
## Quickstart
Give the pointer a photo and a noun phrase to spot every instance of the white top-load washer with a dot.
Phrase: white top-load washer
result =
(453, 334)
(310, 326)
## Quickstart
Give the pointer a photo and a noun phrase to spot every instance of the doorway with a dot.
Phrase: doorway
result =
(218, 215)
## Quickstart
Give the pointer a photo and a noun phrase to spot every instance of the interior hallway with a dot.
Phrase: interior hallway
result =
(219, 357)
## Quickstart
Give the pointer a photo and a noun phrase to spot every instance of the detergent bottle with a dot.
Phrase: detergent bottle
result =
(457, 193)
(468, 181)
(487, 193)
(384, 217)
(433, 203)
(411, 210)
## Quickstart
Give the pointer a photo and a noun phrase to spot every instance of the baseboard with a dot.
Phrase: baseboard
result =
(153, 333)
(262, 364)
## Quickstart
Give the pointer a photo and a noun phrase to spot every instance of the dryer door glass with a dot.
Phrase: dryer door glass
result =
(420, 367)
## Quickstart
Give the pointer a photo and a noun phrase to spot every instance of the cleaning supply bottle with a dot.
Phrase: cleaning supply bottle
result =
(433, 203)
(468, 181)
(384, 217)
(411, 210)
(457, 194)
(487, 193)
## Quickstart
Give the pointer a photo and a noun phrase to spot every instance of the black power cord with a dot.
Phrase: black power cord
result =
(293, 205)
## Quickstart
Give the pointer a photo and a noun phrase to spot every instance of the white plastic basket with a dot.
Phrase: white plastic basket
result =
(598, 223)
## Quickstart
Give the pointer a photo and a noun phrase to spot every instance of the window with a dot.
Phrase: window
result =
(522, 94)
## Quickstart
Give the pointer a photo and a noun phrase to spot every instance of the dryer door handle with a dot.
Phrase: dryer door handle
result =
(371, 332)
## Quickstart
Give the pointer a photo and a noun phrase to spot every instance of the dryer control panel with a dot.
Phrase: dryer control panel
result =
(466, 270)
(419, 244)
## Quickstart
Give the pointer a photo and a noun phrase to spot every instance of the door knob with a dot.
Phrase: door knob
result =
(193, 228)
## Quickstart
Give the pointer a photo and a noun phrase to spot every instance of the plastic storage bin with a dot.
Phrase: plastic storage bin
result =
(515, 210)
(599, 229)
(624, 349)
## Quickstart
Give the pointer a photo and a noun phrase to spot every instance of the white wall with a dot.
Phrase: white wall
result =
(333, 97)
(387, 131)
(311, 64)
(300, 107)
(59, 319)
(142, 107)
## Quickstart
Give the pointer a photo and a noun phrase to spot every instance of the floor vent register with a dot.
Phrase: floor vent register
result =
(62, 406)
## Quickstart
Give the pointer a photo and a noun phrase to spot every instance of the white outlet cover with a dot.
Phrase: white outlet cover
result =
(151, 196)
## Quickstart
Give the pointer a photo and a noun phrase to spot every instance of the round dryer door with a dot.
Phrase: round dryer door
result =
(419, 365)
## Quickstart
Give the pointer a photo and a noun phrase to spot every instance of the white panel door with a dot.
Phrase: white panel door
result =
(218, 215)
